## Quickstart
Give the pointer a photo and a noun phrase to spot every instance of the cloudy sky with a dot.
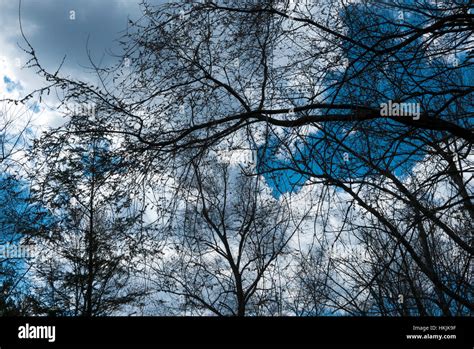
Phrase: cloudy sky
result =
(58, 28)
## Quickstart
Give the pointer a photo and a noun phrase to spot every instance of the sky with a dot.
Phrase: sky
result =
(65, 28)
(58, 28)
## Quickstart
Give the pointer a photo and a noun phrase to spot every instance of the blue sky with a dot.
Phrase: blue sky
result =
(58, 28)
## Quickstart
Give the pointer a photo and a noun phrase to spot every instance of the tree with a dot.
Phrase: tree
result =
(307, 92)
(90, 250)
(224, 243)
(19, 217)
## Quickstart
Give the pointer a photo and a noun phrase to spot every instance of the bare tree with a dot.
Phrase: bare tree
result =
(87, 255)
(224, 244)
(305, 85)
(18, 216)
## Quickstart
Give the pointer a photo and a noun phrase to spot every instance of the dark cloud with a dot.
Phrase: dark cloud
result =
(54, 32)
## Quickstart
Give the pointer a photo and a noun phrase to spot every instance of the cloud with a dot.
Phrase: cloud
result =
(49, 28)
(54, 33)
